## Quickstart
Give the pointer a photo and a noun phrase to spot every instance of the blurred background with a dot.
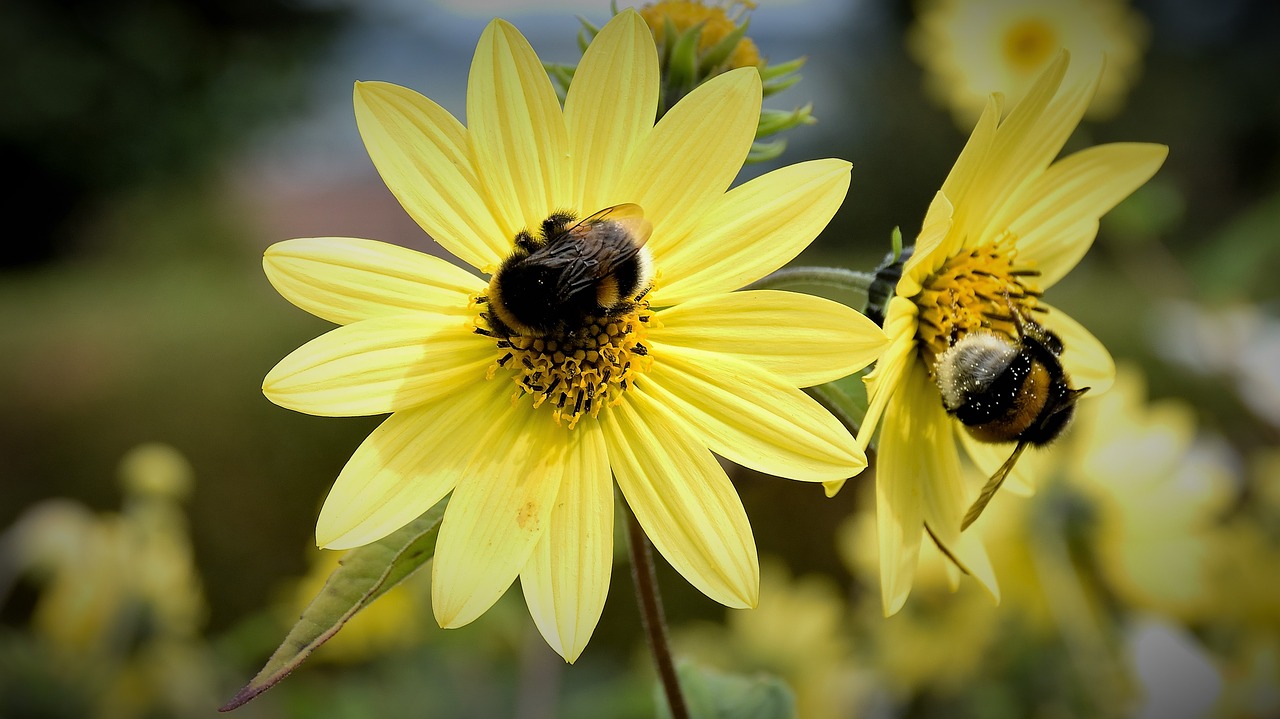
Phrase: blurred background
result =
(157, 512)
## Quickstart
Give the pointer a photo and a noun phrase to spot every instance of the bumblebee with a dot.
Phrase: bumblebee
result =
(1006, 390)
(571, 273)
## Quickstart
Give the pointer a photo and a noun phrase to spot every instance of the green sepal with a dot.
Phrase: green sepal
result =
(775, 121)
(721, 51)
(777, 85)
(712, 694)
(683, 64)
(895, 243)
(770, 72)
(561, 75)
(765, 151)
(363, 575)
(586, 33)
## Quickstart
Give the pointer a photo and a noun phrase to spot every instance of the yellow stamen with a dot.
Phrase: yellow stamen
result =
(581, 371)
(983, 288)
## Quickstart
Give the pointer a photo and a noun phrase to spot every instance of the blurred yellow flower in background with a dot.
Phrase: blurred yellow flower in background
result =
(1008, 223)
(120, 604)
(526, 425)
(799, 632)
(970, 48)
(1157, 496)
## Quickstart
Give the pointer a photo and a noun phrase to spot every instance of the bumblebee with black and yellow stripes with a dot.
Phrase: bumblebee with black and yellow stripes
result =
(570, 273)
(1006, 390)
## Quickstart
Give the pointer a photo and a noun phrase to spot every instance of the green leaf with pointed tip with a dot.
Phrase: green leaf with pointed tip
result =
(364, 574)
(721, 50)
(765, 151)
(783, 68)
(711, 694)
(774, 121)
(777, 85)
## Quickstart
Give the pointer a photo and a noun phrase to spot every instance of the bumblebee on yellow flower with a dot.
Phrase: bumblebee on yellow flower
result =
(1008, 223)
(608, 340)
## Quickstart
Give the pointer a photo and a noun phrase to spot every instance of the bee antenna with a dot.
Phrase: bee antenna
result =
(993, 484)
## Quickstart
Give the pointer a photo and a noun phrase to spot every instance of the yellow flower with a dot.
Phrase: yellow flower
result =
(1157, 497)
(970, 48)
(525, 428)
(1006, 226)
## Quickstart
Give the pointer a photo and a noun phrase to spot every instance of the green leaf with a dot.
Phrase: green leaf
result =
(363, 575)
(712, 694)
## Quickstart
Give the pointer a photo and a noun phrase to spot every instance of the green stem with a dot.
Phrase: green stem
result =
(651, 615)
(838, 277)
(837, 403)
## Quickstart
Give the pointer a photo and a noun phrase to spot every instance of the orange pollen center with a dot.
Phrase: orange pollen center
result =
(982, 288)
(580, 371)
(716, 26)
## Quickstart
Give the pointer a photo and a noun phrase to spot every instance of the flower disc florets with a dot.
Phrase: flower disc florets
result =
(577, 371)
(982, 288)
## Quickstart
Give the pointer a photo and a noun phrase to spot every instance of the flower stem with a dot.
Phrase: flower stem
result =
(655, 624)
(838, 277)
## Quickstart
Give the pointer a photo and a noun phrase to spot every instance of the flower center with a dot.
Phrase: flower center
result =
(1028, 44)
(979, 289)
(716, 26)
(576, 371)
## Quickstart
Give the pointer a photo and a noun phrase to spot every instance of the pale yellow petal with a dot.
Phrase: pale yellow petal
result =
(693, 154)
(379, 365)
(1025, 143)
(1086, 361)
(806, 340)
(899, 505)
(345, 280)
(610, 108)
(969, 163)
(935, 459)
(1058, 219)
(567, 578)
(750, 231)
(934, 246)
(409, 463)
(422, 153)
(498, 513)
(683, 500)
(517, 131)
(752, 417)
(884, 381)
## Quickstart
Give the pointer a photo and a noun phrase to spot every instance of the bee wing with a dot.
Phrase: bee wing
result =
(993, 484)
(585, 263)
